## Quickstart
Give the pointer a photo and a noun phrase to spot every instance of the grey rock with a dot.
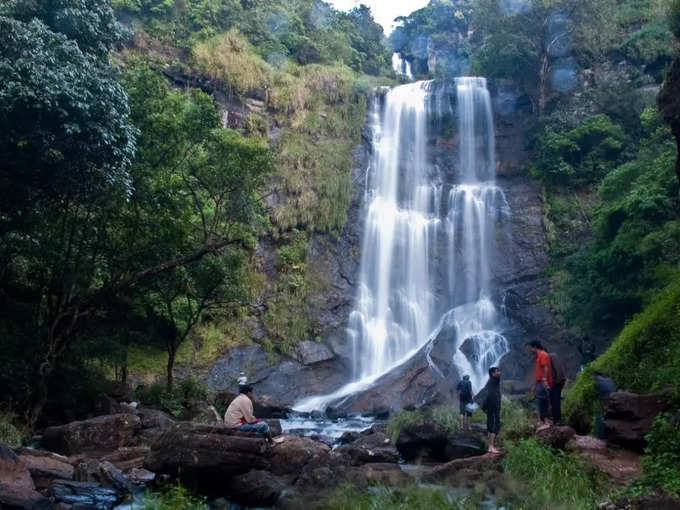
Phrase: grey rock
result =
(83, 493)
(309, 352)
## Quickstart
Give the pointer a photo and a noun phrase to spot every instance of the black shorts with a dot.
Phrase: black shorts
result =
(463, 410)
(493, 421)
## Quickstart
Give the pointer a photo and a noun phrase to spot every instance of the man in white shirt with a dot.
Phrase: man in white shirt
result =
(239, 414)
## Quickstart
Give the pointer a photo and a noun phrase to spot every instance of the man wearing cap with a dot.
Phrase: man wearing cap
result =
(239, 414)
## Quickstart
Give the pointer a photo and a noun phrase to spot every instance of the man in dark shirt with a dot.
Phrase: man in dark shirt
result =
(464, 389)
(492, 406)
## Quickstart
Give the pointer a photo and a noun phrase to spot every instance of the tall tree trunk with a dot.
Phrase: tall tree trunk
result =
(172, 351)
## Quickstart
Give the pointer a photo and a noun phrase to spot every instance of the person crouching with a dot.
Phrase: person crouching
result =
(239, 415)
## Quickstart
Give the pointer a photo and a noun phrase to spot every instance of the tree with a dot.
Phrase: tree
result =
(64, 119)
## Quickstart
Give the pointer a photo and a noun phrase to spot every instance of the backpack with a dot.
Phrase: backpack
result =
(466, 390)
(558, 375)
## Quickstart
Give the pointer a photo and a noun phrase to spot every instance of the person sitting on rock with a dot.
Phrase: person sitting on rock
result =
(239, 415)
(464, 389)
(492, 407)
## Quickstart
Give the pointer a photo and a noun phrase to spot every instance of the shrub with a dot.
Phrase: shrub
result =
(402, 498)
(515, 421)
(172, 497)
(230, 58)
(553, 479)
(9, 433)
(444, 416)
(185, 400)
(650, 343)
(661, 461)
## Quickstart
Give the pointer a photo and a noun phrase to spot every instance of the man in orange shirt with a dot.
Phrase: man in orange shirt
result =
(542, 381)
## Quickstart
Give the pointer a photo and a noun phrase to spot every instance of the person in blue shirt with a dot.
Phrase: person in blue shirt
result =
(464, 389)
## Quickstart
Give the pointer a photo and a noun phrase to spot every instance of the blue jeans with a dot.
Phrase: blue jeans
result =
(543, 400)
(262, 427)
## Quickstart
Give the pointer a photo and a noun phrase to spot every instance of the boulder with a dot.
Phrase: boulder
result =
(467, 472)
(308, 352)
(623, 466)
(97, 435)
(43, 464)
(628, 417)
(349, 437)
(373, 448)
(205, 455)
(113, 477)
(141, 476)
(255, 488)
(127, 457)
(459, 446)
(17, 490)
(556, 436)
(424, 441)
(289, 454)
(83, 493)
(427, 378)
(153, 418)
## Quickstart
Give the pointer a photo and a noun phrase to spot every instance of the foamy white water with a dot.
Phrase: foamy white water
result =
(401, 66)
(396, 311)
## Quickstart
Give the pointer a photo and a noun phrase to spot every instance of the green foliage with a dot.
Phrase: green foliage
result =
(64, 119)
(402, 498)
(674, 18)
(515, 421)
(305, 31)
(229, 58)
(552, 479)
(172, 497)
(650, 343)
(581, 155)
(439, 28)
(635, 240)
(661, 461)
(652, 45)
(9, 433)
(185, 400)
(444, 416)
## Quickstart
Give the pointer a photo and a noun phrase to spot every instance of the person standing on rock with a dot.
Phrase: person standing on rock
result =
(542, 382)
(492, 407)
(464, 389)
(559, 379)
(239, 414)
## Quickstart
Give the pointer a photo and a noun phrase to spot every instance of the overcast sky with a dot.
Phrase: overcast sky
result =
(384, 11)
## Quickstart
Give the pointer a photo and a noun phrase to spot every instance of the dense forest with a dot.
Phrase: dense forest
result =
(141, 227)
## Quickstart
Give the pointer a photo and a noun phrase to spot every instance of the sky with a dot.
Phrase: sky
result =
(384, 11)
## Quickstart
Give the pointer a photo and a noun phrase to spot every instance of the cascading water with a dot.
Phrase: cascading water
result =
(401, 66)
(397, 308)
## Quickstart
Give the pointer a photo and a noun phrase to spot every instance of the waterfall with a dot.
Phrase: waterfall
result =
(401, 66)
(410, 215)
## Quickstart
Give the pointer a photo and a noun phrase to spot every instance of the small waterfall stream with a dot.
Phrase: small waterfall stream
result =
(411, 213)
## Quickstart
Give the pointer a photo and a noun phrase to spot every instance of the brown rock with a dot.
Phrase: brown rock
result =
(255, 488)
(17, 490)
(46, 464)
(467, 471)
(373, 448)
(629, 416)
(96, 436)
(127, 457)
(622, 466)
(205, 455)
(153, 418)
(289, 454)
(556, 436)
(141, 476)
